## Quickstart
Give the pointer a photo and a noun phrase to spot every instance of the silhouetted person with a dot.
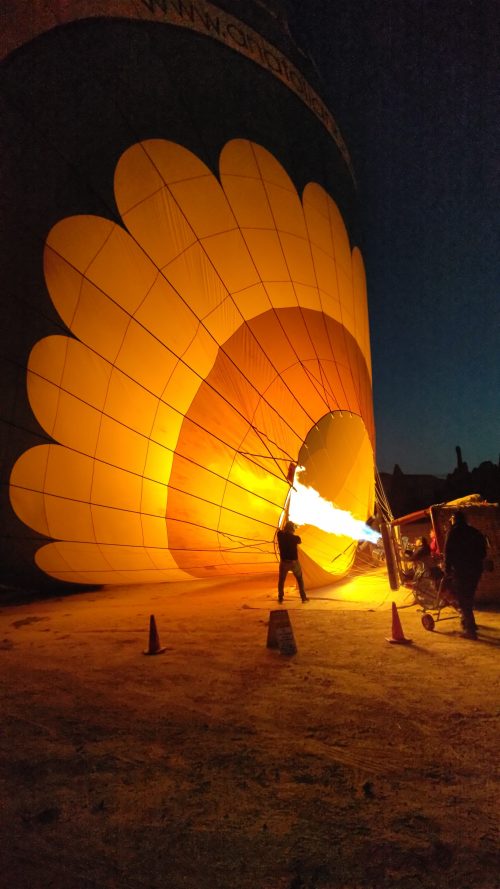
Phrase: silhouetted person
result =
(289, 560)
(421, 554)
(424, 556)
(464, 553)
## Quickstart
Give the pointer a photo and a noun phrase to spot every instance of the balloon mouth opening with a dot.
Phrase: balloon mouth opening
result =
(327, 498)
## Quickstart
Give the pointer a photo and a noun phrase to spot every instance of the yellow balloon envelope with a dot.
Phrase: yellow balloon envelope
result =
(213, 332)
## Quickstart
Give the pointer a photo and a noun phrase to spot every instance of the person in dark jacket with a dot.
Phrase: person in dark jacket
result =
(464, 553)
(424, 556)
(422, 553)
(289, 560)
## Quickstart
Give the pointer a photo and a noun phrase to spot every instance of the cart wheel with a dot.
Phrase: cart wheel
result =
(428, 622)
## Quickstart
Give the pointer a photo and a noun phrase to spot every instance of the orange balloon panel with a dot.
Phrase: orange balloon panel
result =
(210, 334)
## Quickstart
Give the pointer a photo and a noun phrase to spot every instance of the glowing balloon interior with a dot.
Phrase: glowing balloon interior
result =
(218, 334)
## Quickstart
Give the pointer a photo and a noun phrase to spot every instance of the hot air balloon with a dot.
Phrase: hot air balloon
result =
(184, 299)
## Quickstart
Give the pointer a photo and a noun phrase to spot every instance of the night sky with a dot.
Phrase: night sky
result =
(414, 86)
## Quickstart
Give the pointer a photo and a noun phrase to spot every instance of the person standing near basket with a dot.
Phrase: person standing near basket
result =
(464, 554)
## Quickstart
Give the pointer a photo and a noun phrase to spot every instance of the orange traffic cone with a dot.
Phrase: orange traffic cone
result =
(154, 639)
(398, 637)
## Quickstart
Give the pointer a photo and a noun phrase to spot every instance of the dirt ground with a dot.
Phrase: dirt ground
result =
(223, 764)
